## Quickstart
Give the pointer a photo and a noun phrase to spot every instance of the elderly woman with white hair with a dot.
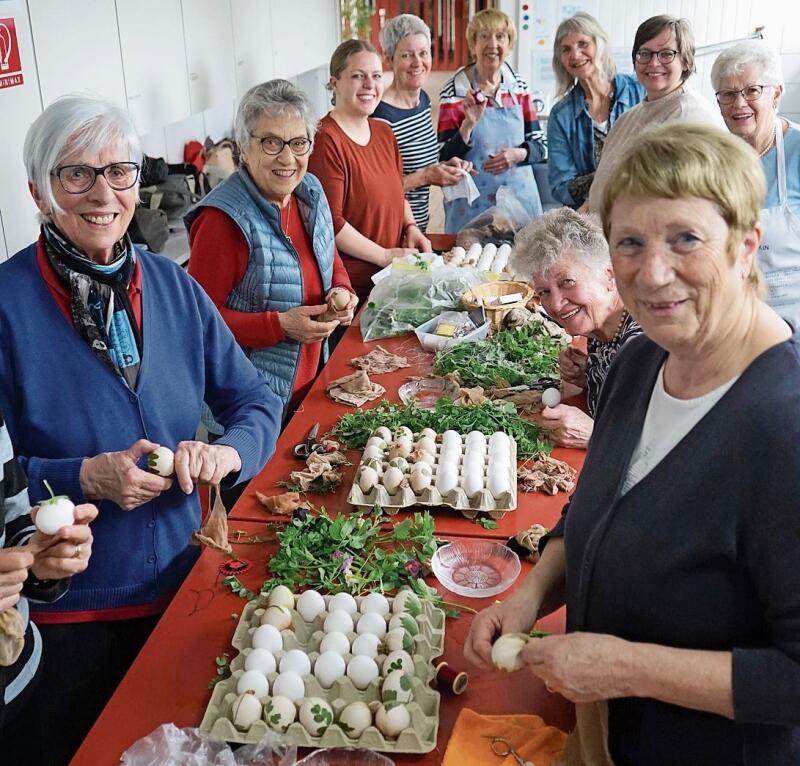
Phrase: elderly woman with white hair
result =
(590, 96)
(262, 244)
(748, 82)
(106, 352)
(565, 258)
(406, 109)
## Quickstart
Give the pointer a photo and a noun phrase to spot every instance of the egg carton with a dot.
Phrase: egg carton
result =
(470, 507)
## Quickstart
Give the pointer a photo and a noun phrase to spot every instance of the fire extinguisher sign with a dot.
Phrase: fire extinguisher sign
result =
(10, 62)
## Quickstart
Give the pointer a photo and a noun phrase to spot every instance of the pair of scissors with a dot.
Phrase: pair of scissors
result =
(502, 747)
(310, 445)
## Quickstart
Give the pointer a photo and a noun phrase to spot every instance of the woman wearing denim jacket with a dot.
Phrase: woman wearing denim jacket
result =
(592, 97)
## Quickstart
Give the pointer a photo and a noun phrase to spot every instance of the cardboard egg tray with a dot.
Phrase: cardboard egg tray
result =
(470, 507)
(420, 737)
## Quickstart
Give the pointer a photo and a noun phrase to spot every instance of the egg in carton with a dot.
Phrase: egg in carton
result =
(470, 473)
(488, 257)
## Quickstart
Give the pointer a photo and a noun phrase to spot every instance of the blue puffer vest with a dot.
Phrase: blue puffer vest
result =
(273, 280)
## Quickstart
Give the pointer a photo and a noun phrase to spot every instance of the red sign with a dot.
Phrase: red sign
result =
(10, 63)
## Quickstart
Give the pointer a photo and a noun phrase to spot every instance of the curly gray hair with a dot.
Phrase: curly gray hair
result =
(275, 98)
(747, 53)
(546, 240)
(404, 25)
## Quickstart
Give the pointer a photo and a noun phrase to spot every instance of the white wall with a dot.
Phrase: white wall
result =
(178, 65)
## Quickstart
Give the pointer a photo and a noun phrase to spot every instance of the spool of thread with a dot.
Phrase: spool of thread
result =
(450, 680)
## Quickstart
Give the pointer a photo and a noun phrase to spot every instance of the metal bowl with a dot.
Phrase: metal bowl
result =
(476, 568)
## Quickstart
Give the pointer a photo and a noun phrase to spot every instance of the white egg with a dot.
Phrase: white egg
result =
(400, 463)
(372, 622)
(367, 479)
(427, 444)
(362, 671)
(396, 687)
(400, 448)
(447, 478)
(384, 433)
(261, 660)
(335, 642)
(279, 712)
(458, 252)
(372, 452)
(406, 601)
(426, 458)
(403, 432)
(366, 644)
(477, 438)
(295, 660)
(355, 719)
(338, 621)
(450, 454)
(343, 601)
(422, 468)
(393, 720)
(376, 441)
(475, 451)
(391, 479)
(310, 604)
(398, 660)
(500, 462)
(246, 710)
(375, 602)
(373, 463)
(499, 447)
(161, 461)
(329, 668)
(280, 595)
(404, 621)
(290, 685)
(420, 480)
(427, 433)
(472, 483)
(54, 514)
(474, 252)
(252, 680)
(473, 463)
(278, 616)
(316, 716)
(451, 437)
(551, 397)
(268, 637)
(499, 437)
(397, 639)
(498, 484)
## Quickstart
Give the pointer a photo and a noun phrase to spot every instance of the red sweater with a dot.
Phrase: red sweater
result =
(218, 261)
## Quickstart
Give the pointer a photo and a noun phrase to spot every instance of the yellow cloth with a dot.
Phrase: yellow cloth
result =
(471, 741)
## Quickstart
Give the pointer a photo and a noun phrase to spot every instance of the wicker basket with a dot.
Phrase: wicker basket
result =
(486, 295)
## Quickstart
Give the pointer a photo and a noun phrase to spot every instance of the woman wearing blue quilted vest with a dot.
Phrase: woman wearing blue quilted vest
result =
(262, 244)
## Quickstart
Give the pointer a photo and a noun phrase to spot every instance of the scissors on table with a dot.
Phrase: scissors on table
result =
(310, 445)
(502, 747)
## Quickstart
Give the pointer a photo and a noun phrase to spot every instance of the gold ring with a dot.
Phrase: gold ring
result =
(77, 553)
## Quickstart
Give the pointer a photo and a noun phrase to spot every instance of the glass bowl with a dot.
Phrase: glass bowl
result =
(476, 568)
(427, 391)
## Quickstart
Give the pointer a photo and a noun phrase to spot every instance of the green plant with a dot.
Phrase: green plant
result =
(356, 18)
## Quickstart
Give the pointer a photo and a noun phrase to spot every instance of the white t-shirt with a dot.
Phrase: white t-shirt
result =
(667, 421)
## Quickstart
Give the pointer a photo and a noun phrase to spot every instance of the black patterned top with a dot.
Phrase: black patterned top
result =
(602, 354)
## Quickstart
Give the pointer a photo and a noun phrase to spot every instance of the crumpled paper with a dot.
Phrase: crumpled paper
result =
(546, 474)
(214, 532)
(468, 396)
(320, 465)
(284, 504)
(355, 389)
(378, 361)
(12, 636)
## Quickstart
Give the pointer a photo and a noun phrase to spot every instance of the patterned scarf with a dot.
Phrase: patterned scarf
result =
(101, 308)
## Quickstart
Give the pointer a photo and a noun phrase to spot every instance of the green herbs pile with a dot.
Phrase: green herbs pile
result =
(353, 429)
(517, 357)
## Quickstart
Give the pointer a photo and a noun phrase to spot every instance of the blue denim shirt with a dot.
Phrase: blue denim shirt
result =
(570, 135)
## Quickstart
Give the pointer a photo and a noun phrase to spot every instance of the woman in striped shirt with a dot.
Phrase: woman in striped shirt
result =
(406, 109)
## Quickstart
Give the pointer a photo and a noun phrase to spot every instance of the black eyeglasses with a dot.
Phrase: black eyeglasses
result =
(748, 93)
(273, 145)
(77, 179)
(666, 56)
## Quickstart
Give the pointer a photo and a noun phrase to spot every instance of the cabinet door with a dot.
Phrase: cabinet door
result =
(304, 34)
(73, 55)
(157, 84)
(209, 53)
(252, 43)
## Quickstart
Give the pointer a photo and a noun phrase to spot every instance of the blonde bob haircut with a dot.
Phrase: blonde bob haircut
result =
(581, 23)
(694, 161)
(487, 21)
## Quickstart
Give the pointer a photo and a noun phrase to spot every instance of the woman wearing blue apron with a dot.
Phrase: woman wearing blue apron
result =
(486, 116)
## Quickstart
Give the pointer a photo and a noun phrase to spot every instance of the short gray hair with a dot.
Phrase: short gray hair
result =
(543, 242)
(275, 98)
(404, 25)
(70, 126)
(581, 23)
(755, 53)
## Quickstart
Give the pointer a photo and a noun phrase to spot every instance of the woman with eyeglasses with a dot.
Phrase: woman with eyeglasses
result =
(663, 59)
(262, 245)
(106, 352)
(748, 82)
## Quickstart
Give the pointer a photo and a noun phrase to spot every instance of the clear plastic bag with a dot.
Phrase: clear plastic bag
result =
(170, 746)
(498, 224)
(403, 301)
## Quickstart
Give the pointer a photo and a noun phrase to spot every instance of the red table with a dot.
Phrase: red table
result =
(168, 681)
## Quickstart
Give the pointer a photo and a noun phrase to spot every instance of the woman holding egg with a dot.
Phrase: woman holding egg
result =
(107, 352)
(677, 553)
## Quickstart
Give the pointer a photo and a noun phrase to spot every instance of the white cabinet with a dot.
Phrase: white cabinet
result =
(304, 35)
(3, 248)
(208, 32)
(154, 58)
(252, 43)
(77, 48)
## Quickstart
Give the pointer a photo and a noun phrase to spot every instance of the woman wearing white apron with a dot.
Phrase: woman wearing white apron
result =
(486, 116)
(749, 85)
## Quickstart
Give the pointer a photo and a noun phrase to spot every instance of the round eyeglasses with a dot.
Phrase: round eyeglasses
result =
(273, 145)
(77, 179)
(748, 93)
(666, 56)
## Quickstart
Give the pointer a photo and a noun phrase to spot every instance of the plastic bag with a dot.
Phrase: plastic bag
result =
(498, 224)
(170, 746)
(403, 301)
